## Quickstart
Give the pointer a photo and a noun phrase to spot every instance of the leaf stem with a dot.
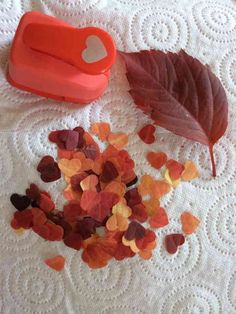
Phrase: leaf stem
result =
(212, 160)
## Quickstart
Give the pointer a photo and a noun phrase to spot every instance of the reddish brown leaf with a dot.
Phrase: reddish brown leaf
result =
(180, 94)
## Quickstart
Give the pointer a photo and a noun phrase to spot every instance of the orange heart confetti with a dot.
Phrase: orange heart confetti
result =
(57, 263)
(190, 171)
(157, 160)
(122, 209)
(131, 244)
(117, 222)
(118, 140)
(116, 187)
(107, 204)
(160, 219)
(146, 185)
(69, 167)
(151, 206)
(160, 188)
(189, 223)
(89, 183)
(102, 130)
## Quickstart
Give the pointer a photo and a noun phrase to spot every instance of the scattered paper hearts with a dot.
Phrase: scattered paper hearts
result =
(173, 241)
(147, 134)
(107, 204)
(20, 202)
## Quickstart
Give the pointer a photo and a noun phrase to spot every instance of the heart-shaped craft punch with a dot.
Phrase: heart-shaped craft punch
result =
(95, 50)
(90, 49)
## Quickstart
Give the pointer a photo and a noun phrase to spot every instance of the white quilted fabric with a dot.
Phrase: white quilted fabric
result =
(201, 277)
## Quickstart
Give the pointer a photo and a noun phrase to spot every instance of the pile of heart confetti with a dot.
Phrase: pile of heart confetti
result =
(107, 205)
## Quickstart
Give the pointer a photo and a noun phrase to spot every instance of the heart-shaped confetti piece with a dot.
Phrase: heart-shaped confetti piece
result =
(175, 169)
(117, 222)
(109, 172)
(190, 171)
(70, 167)
(102, 130)
(157, 160)
(189, 223)
(118, 140)
(172, 241)
(159, 219)
(20, 202)
(57, 263)
(147, 134)
(134, 231)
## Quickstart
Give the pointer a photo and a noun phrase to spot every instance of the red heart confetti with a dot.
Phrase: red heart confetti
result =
(106, 203)
(172, 241)
(175, 169)
(57, 263)
(157, 160)
(159, 219)
(49, 169)
(147, 134)
(109, 172)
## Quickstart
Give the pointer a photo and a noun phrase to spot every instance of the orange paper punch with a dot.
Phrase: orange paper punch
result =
(53, 59)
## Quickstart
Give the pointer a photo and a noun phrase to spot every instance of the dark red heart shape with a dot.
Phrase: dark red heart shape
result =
(109, 172)
(33, 192)
(133, 197)
(147, 134)
(49, 169)
(134, 231)
(73, 240)
(172, 241)
(20, 202)
(65, 139)
(24, 218)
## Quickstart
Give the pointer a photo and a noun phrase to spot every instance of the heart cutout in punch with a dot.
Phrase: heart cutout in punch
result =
(95, 50)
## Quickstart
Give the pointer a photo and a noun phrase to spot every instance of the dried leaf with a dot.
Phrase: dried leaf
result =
(180, 94)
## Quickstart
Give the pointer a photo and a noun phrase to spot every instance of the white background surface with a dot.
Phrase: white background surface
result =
(201, 277)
